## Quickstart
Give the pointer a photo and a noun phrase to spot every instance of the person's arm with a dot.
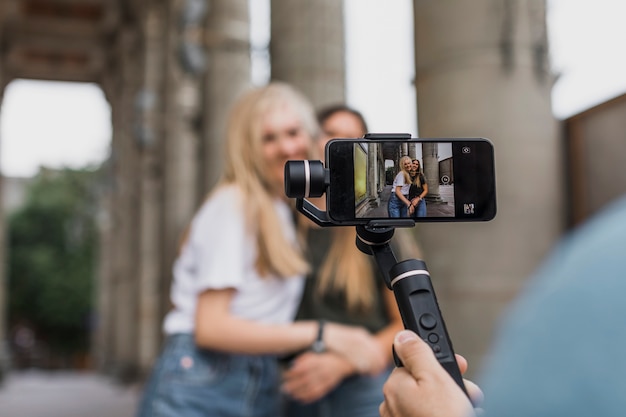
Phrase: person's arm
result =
(217, 328)
(422, 388)
(312, 375)
(401, 196)
(419, 197)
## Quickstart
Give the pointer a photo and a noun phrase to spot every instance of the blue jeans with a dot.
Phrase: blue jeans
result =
(193, 382)
(396, 207)
(420, 210)
(357, 396)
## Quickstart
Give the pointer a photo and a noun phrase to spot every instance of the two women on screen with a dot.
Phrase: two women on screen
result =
(408, 190)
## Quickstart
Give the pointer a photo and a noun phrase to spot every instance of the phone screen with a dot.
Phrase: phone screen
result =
(442, 179)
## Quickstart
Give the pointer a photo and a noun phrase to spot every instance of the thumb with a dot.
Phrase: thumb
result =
(414, 353)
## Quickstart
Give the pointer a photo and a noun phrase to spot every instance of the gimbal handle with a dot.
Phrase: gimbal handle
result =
(410, 282)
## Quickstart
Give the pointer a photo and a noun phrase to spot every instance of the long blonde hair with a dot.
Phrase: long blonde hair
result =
(407, 175)
(244, 167)
(347, 270)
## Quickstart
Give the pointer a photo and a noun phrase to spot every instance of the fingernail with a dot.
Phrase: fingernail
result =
(404, 336)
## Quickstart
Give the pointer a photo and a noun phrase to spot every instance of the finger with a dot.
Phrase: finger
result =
(462, 363)
(414, 353)
(306, 392)
(292, 386)
(382, 410)
(475, 393)
(302, 393)
(398, 384)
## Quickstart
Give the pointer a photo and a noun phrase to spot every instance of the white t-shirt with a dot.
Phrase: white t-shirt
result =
(399, 180)
(220, 253)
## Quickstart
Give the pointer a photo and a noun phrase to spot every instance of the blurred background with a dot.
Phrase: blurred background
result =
(111, 130)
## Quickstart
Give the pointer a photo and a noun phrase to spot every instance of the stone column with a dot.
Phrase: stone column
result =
(124, 238)
(307, 48)
(185, 62)
(430, 160)
(482, 70)
(372, 171)
(228, 74)
(4, 336)
(148, 134)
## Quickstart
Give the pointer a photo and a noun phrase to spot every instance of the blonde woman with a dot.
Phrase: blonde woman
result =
(343, 286)
(399, 202)
(239, 276)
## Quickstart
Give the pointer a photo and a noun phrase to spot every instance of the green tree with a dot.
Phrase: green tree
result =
(52, 254)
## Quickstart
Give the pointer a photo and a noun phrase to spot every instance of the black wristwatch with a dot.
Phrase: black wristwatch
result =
(319, 346)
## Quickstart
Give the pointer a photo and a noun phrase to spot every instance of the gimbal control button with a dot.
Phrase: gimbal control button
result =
(428, 321)
(433, 338)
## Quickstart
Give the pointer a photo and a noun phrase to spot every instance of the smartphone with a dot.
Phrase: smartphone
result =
(456, 178)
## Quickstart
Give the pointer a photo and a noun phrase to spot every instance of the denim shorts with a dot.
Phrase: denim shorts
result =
(192, 382)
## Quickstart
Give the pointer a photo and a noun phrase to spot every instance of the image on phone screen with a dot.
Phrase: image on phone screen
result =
(442, 180)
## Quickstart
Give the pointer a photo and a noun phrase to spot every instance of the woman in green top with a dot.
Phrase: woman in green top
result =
(344, 286)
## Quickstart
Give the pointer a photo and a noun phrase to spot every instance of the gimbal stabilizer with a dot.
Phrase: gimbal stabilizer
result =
(409, 279)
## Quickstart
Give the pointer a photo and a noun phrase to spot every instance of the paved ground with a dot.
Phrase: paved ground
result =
(64, 394)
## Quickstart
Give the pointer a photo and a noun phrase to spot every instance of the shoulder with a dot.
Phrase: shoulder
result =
(224, 195)
(222, 204)
(226, 192)
(565, 327)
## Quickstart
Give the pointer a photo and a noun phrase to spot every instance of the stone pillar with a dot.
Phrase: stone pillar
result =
(4, 336)
(148, 134)
(125, 208)
(430, 157)
(307, 48)
(372, 171)
(185, 63)
(103, 335)
(227, 40)
(482, 70)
